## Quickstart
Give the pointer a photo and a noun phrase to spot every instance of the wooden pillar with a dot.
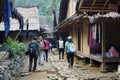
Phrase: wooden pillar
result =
(91, 63)
(103, 47)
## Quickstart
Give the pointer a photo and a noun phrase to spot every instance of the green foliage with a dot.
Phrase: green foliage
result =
(45, 6)
(15, 48)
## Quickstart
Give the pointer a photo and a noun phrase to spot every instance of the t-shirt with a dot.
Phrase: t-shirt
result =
(42, 45)
(61, 44)
(67, 46)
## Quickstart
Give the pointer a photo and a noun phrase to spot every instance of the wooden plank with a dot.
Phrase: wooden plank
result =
(118, 4)
(93, 4)
(90, 7)
(103, 40)
(79, 55)
(105, 4)
(110, 60)
(94, 58)
(103, 48)
(88, 10)
(81, 3)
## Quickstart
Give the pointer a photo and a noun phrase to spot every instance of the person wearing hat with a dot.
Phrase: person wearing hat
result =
(70, 50)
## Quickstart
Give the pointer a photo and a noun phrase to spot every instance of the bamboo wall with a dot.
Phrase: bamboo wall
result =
(84, 46)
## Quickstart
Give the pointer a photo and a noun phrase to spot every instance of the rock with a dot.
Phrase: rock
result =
(24, 74)
(51, 75)
(2, 69)
(11, 69)
(1, 77)
(59, 78)
(72, 79)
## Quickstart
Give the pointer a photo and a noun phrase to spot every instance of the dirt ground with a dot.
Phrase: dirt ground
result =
(41, 75)
(35, 76)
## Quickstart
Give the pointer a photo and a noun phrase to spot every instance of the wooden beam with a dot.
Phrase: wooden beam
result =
(105, 4)
(91, 7)
(81, 2)
(93, 4)
(103, 47)
(118, 4)
(88, 10)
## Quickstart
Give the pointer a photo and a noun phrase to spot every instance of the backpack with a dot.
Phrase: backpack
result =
(32, 48)
(47, 44)
(42, 45)
(72, 47)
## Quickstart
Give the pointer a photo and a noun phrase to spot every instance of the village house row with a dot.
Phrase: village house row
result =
(94, 26)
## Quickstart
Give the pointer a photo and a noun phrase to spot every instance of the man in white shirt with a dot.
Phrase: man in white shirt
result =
(61, 48)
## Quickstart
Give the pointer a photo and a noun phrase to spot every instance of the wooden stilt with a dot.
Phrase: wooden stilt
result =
(91, 63)
(103, 68)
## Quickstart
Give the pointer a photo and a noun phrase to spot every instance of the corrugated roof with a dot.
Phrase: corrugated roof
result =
(30, 13)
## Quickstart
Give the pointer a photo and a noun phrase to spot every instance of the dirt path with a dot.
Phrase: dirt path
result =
(47, 70)
(56, 69)
(35, 76)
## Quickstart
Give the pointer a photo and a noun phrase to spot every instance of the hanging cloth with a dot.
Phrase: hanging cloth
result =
(7, 14)
(93, 36)
(17, 15)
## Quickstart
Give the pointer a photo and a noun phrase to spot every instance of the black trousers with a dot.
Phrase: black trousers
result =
(46, 55)
(70, 58)
(61, 53)
(31, 58)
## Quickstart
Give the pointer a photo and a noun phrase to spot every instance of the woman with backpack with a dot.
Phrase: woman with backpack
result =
(70, 50)
(42, 50)
(47, 47)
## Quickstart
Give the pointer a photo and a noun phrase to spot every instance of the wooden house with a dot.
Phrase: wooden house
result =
(76, 19)
(30, 13)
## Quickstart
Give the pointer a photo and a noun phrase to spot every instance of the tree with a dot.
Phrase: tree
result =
(45, 6)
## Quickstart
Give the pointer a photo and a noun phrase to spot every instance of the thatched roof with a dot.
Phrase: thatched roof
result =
(30, 13)
(71, 20)
(43, 23)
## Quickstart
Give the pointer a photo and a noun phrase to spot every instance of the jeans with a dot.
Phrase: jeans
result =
(70, 58)
(31, 58)
(46, 55)
(41, 57)
(61, 52)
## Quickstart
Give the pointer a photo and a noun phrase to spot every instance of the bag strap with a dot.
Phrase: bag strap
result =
(44, 43)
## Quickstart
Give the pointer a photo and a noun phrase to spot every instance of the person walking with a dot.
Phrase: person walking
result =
(33, 49)
(42, 50)
(61, 48)
(47, 47)
(70, 50)
(51, 46)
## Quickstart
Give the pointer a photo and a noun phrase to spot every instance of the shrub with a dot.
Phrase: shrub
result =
(15, 48)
